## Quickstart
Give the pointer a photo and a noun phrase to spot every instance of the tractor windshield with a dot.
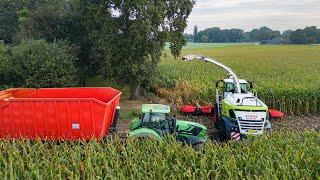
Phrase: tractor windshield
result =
(230, 87)
(154, 117)
(155, 120)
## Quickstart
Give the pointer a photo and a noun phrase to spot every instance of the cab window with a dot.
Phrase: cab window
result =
(243, 87)
(154, 117)
(230, 87)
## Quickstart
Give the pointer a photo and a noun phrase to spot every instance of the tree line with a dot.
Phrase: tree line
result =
(58, 43)
(308, 35)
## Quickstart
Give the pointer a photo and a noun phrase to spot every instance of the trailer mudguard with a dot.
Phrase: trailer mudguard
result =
(145, 133)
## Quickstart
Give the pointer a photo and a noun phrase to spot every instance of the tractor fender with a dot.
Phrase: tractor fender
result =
(192, 140)
(145, 133)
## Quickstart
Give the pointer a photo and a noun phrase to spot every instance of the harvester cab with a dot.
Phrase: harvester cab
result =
(238, 111)
(155, 122)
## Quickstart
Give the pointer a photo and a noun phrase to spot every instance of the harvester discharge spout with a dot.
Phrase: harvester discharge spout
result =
(213, 61)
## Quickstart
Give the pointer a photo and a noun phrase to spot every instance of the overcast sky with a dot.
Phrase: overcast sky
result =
(248, 14)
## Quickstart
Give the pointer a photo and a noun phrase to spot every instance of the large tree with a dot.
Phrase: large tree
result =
(36, 63)
(47, 21)
(195, 33)
(299, 37)
(286, 36)
(12, 14)
(144, 27)
(217, 35)
(177, 13)
(311, 33)
(318, 36)
(67, 20)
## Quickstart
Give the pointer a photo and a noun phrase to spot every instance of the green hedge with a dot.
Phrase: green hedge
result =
(36, 63)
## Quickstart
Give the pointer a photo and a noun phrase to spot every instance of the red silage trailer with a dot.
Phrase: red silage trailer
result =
(57, 113)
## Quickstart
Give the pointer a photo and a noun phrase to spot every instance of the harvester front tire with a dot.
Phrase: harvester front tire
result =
(222, 131)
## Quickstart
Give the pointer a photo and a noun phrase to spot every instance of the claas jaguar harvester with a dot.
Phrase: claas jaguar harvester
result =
(237, 110)
(156, 123)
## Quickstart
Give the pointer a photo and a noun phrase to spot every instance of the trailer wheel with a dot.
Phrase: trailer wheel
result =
(222, 131)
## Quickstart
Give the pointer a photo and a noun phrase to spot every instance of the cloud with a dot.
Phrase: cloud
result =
(248, 14)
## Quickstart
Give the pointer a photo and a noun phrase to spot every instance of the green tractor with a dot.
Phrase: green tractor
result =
(156, 123)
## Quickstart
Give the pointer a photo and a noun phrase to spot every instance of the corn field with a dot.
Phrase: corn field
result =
(286, 77)
(280, 155)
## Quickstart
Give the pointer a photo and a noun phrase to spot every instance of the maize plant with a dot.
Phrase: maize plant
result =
(280, 155)
(286, 77)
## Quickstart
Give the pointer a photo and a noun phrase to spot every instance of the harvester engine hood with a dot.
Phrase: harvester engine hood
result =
(245, 99)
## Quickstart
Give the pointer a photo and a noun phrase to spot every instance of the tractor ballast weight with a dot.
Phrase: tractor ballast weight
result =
(237, 111)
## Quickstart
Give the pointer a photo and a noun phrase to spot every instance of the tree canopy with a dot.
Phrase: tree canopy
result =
(122, 40)
(36, 63)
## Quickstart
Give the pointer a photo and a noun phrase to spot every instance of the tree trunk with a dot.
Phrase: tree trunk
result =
(135, 91)
(83, 82)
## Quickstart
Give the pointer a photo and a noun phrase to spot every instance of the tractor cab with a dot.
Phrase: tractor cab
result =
(156, 117)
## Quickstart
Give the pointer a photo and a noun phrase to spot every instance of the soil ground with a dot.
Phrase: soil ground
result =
(290, 123)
